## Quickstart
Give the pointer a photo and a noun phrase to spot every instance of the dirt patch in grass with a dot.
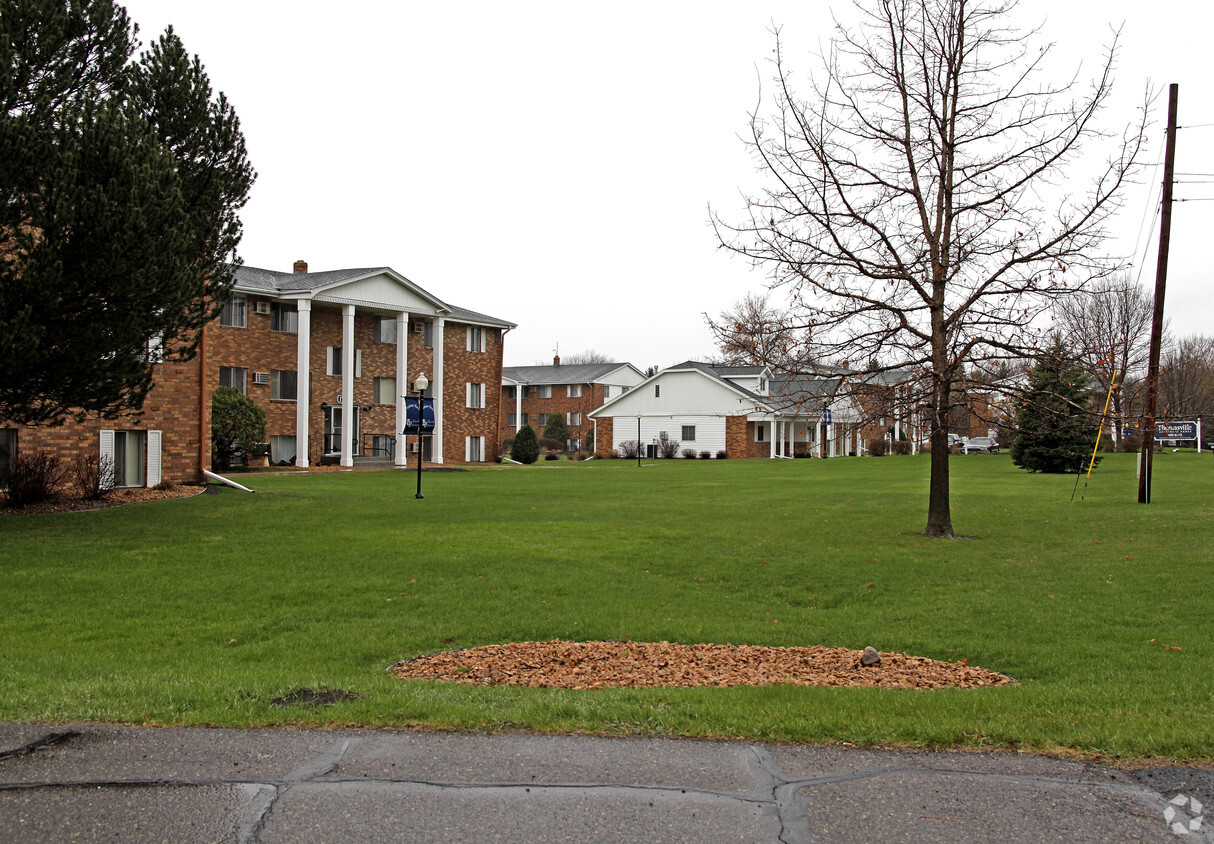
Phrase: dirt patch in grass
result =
(598, 665)
(65, 503)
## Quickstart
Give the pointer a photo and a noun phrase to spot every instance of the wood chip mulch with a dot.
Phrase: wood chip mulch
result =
(598, 665)
(64, 503)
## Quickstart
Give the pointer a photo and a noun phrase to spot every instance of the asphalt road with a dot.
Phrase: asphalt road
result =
(89, 782)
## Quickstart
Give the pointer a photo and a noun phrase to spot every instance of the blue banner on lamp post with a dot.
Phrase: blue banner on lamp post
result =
(419, 423)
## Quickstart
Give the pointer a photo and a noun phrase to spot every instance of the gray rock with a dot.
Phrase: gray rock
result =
(870, 656)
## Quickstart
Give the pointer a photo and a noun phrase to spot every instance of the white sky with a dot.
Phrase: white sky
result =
(552, 163)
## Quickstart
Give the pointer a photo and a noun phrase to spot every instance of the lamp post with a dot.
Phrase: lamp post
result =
(639, 446)
(420, 385)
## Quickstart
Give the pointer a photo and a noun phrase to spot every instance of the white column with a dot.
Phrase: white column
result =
(347, 385)
(401, 454)
(303, 380)
(772, 436)
(436, 440)
(830, 437)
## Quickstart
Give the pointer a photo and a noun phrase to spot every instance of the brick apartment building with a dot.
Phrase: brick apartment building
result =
(529, 394)
(330, 337)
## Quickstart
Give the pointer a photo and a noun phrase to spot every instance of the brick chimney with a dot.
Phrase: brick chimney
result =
(556, 360)
(301, 266)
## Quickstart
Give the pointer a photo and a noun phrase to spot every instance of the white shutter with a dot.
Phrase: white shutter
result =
(154, 463)
(468, 339)
(480, 448)
(330, 367)
(107, 450)
(484, 393)
(467, 449)
(467, 399)
(358, 363)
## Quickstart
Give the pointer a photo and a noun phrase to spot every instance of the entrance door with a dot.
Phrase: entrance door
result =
(334, 419)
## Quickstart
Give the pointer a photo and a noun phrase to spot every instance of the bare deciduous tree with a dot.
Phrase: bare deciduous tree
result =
(1108, 328)
(914, 212)
(754, 332)
(588, 356)
(1186, 380)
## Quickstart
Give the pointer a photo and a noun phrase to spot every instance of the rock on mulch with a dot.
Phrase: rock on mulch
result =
(597, 665)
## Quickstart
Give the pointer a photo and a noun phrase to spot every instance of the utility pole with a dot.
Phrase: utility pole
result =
(1161, 280)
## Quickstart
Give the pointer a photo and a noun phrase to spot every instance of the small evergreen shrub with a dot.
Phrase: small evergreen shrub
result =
(32, 478)
(526, 446)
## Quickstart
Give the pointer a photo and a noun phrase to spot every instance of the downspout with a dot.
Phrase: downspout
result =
(501, 357)
(203, 439)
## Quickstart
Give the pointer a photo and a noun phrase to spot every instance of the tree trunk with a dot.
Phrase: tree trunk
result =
(939, 514)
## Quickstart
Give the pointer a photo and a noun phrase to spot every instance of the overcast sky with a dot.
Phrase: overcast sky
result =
(552, 164)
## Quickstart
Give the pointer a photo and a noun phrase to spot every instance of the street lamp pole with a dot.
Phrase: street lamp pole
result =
(421, 384)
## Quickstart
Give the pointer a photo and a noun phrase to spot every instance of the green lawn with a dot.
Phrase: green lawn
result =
(203, 611)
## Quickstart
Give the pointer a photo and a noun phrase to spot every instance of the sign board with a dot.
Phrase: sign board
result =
(826, 416)
(1175, 430)
(419, 421)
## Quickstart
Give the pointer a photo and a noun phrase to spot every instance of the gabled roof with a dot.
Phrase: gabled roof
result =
(275, 283)
(573, 373)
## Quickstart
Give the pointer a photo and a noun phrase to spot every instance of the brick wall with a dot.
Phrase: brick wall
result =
(461, 367)
(171, 408)
(559, 402)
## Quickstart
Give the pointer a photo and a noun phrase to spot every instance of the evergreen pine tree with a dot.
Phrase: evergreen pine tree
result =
(1055, 426)
(526, 447)
(119, 186)
(237, 424)
(555, 429)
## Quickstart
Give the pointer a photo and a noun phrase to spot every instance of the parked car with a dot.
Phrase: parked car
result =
(981, 445)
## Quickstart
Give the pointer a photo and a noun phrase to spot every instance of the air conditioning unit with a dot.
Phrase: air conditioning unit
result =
(415, 447)
(261, 307)
(261, 378)
(419, 327)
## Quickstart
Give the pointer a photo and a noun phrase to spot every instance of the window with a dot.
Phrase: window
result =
(573, 419)
(511, 420)
(128, 458)
(545, 391)
(235, 313)
(385, 329)
(689, 433)
(657, 391)
(284, 317)
(575, 391)
(282, 450)
(429, 338)
(283, 384)
(476, 395)
(606, 392)
(543, 420)
(476, 338)
(573, 445)
(235, 377)
(510, 391)
(474, 449)
(8, 450)
(385, 390)
(333, 361)
(760, 433)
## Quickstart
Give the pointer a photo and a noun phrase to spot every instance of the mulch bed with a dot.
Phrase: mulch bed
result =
(64, 503)
(598, 665)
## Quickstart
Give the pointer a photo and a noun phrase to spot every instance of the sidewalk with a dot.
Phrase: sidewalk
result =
(95, 782)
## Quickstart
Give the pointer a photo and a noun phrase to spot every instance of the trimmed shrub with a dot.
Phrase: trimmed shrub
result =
(548, 444)
(32, 478)
(93, 476)
(526, 446)
(551, 456)
(902, 447)
(705, 455)
(878, 447)
(667, 447)
(629, 449)
(689, 454)
(722, 454)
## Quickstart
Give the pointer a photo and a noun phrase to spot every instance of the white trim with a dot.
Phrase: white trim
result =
(155, 463)
(107, 450)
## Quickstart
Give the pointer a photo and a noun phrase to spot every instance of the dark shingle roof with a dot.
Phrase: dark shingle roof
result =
(273, 282)
(573, 373)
